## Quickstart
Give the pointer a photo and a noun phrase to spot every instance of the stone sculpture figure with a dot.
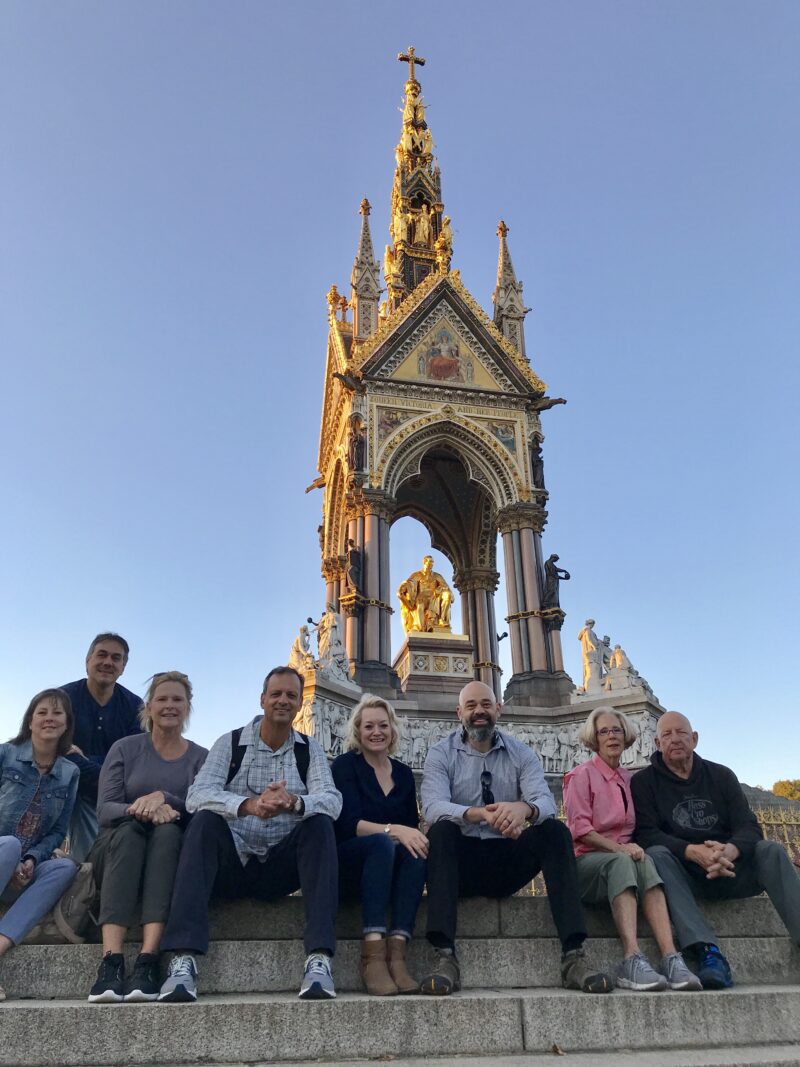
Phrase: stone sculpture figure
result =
(425, 601)
(300, 656)
(537, 464)
(552, 575)
(354, 567)
(422, 227)
(592, 650)
(356, 447)
(333, 659)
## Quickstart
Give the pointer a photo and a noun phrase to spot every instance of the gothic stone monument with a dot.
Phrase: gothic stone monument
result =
(431, 409)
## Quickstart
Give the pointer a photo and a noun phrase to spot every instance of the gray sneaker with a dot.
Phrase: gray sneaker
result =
(677, 974)
(180, 985)
(636, 973)
(317, 980)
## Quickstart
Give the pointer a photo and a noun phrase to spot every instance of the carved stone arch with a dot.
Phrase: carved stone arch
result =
(443, 538)
(479, 452)
(335, 532)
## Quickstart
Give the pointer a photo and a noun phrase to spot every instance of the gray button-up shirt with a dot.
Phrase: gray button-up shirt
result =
(451, 781)
(260, 766)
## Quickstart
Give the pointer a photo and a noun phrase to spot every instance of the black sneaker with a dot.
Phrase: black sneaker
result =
(144, 983)
(110, 985)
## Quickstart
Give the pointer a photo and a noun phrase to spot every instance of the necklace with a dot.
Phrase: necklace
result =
(44, 768)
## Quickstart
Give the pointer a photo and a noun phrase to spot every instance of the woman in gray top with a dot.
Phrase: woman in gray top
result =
(141, 808)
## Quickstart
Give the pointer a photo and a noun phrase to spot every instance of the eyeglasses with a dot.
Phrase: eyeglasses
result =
(487, 796)
(614, 731)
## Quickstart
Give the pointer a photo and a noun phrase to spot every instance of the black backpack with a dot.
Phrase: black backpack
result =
(302, 755)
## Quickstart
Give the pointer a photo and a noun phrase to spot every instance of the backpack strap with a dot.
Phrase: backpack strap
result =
(302, 756)
(237, 754)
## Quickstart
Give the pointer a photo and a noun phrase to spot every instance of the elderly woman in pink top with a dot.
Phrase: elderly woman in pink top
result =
(600, 816)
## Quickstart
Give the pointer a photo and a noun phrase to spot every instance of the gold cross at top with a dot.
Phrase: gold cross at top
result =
(411, 59)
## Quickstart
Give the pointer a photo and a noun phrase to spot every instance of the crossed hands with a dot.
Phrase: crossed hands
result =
(275, 800)
(508, 817)
(636, 852)
(716, 859)
(22, 875)
(153, 808)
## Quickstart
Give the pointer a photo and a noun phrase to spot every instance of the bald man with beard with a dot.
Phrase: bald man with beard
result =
(694, 821)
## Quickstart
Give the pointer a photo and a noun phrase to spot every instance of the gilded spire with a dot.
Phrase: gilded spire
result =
(509, 307)
(365, 281)
(422, 241)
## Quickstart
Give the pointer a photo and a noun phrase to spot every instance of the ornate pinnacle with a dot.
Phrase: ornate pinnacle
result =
(366, 207)
(333, 299)
(502, 229)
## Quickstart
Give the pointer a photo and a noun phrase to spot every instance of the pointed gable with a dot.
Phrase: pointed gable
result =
(440, 336)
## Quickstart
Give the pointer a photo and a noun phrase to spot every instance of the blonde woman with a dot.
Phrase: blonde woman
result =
(141, 809)
(382, 853)
(601, 818)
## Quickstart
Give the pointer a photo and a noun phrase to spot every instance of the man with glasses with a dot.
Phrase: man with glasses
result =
(492, 828)
(693, 820)
(264, 804)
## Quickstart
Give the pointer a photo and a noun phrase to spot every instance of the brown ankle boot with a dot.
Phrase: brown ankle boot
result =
(396, 958)
(374, 972)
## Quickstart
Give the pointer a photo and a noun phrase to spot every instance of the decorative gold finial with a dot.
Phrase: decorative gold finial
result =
(366, 207)
(344, 304)
(410, 58)
(502, 229)
(333, 298)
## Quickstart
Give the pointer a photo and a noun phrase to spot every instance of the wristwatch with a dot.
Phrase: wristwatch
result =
(387, 828)
(299, 807)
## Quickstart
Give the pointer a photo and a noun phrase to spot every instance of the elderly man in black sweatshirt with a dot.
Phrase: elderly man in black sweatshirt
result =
(695, 823)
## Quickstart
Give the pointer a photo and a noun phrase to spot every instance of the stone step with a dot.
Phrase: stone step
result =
(68, 971)
(741, 1056)
(251, 1029)
(520, 916)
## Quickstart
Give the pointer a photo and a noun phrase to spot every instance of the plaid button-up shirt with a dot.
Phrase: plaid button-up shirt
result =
(260, 766)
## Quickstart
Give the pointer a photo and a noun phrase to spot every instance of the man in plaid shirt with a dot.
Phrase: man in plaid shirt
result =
(262, 827)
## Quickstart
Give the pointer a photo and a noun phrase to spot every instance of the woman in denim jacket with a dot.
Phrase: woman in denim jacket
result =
(37, 794)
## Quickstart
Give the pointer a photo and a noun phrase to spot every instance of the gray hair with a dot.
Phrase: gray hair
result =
(369, 700)
(587, 735)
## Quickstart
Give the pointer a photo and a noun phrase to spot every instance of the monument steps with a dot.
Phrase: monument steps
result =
(247, 1028)
(512, 1004)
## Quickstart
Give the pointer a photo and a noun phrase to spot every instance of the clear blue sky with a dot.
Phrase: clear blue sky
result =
(179, 186)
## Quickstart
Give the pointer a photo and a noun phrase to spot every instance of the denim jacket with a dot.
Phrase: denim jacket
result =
(18, 781)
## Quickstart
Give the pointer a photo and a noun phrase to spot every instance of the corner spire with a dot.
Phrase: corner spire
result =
(422, 237)
(365, 281)
(509, 307)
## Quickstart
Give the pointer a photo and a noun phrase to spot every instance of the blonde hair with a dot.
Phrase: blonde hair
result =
(369, 700)
(587, 735)
(145, 718)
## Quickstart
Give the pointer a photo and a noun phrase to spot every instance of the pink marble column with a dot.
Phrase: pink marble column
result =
(372, 621)
(513, 603)
(536, 636)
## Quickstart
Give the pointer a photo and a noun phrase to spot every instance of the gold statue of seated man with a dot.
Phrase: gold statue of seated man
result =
(425, 601)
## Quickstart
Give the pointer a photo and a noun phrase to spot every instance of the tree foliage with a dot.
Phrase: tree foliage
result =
(787, 787)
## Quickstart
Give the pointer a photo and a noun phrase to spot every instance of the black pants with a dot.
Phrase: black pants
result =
(210, 865)
(460, 866)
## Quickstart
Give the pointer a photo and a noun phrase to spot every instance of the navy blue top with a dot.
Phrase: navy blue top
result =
(98, 727)
(363, 798)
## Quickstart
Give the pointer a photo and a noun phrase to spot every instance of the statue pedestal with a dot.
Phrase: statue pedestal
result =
(435, 663)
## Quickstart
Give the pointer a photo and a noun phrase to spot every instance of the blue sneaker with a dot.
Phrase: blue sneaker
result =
(714, 970)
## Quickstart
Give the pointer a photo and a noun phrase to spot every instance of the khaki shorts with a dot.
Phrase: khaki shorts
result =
(604, 875)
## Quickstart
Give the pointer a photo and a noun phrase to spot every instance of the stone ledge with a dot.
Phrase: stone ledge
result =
(44, 972)
(250, 1029)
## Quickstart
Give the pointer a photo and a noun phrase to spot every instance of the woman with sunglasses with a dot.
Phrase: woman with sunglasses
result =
(37, 793)
(141, 808)
(382, 852)
(601, 819)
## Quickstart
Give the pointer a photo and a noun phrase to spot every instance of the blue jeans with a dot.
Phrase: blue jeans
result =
(50, 880)
(381, 873)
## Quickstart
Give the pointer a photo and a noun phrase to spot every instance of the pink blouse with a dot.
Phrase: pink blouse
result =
(593, 800)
